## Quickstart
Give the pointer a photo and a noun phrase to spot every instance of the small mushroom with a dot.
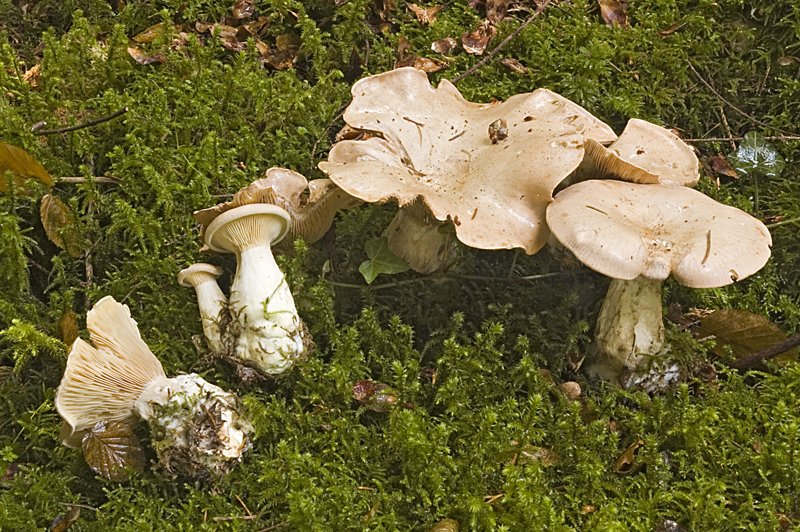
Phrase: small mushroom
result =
(638, 235)
(265, 326)
(196, 427)
(210, 299)
(431, 145)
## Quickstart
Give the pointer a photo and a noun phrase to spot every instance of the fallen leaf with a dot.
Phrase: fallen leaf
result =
(62, 524)
(22, 166)
(671, 29)
(150, 34)
(425, 15)
(496, 10)
(744, 332)
(376, 396)
(257, 26)
(32, 77)
(477, 41)
(571, 389)
(244, 8)
(587, 509)
(406, 59)
(229, 37)
(544, 456)
(445, 525)
(144, 58)
(788, 60)
(288, 42)
(56, 216)
(68, 327)
(721, 166)
(203, 27)
(614, 13)
(514, 65)
(444, 46)
(110, 447)
(624, 464)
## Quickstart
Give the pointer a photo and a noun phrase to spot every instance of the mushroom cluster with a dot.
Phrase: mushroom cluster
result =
(197, 428)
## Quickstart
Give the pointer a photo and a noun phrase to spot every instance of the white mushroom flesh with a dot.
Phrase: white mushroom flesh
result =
(210, 300)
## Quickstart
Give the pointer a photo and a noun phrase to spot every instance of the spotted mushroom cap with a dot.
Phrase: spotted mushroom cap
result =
(643, 153)
(434, 145)
(311, 214)
(103, 382)
(625, 230)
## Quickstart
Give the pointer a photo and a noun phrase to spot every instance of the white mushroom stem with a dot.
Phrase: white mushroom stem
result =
(630, 326)
(210, 300)
(265, 323)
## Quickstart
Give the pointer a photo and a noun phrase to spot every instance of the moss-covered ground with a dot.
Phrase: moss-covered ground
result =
(463, 355)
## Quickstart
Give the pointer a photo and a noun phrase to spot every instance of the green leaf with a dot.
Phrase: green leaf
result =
(757, 156)
(22, 165)
(381, 260)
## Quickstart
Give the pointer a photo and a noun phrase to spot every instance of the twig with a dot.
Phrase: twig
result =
(491, 54)
(339, 113)
(782, 222)
(97, 179)
(765, 354)
(79, 505)
(718, 95)
(234, 517)
(457, 276)
(79, 126)
(728, 139)
(273, 527)
(727, 127)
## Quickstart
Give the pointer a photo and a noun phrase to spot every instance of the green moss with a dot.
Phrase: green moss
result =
(463, 356)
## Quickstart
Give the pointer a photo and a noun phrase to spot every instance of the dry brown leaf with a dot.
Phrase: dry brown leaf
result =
(288, 42)
(257, 27)
(150, 34)
(496, 10)
(514, 65)
(68, 327)
(614, 12)
(110, 447)
(445, 525)
(62, 524)
(279, 59)
(671, 29)
(56, 215)
(425, 15)
(721, 166)
(443, 46)
(477, 41)
(32, 77)
(203, 27)
(244, 8)
(744, 332)
(626, 462)
(229, 37)
(406, 59)
(144, 58)
(22, 165)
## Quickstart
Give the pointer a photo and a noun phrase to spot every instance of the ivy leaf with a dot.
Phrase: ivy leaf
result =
(381, 260)
(110, 447)
(757, 156)
(22, 165)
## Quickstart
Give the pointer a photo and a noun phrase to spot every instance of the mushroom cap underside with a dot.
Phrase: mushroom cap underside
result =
(198, 274)
(624, 230)
(247, 226)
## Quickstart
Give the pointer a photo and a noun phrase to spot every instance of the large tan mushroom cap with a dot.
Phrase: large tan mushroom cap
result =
(311, 214)
(436, 146)
(104, 382)
(624, 230)
(644, 153)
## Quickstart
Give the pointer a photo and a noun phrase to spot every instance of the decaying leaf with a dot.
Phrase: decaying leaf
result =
(744, 332)
(68, 327)
(56, 216)
(257, 27)
(530, 454)
(477, 41)
(62, 524)
(405, 58)
(514, 65)
(150, 34)
(614, 12)
(110, 447)
(143, 58)
(444, 46)
(244, 8)
(756, 156)
(33, 77)
(445, 525)
(376, 396)
(425, 15)
(671, 29)
(22, 165)
(721, 166)
(381, 260)
(625, 463)
(496, 10)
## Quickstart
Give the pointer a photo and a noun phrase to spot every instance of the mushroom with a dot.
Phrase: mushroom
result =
(267, 331)
(643, 153)
(638, 235)
(210, 299)
(434, 146)
(196, 427)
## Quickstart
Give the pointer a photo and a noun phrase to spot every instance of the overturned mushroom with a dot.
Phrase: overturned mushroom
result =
(196, 427)
(433, 145)
(210, 299)
(638, 235)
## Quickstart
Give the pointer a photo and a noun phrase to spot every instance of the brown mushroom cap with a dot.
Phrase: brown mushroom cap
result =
(104, 382)
(436, 146)
(311, 215)
(643, 153)
(247, 227)
(197, 274)
(624, 230)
